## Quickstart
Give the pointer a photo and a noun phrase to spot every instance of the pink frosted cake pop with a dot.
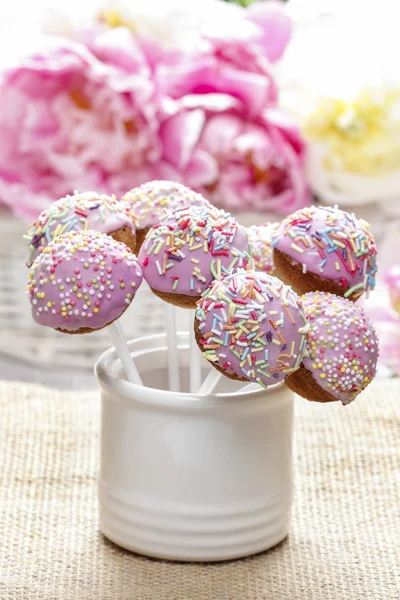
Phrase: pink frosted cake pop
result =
(260, 238)
(342, 350)
(188, 249)
(251, 327)
(82, 281)
(325, 249)
(87, 210)
(153, 200)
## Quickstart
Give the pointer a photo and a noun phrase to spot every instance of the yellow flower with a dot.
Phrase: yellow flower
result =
(114, 18)
(362, 136)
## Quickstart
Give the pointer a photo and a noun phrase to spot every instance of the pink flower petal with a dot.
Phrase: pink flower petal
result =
(288, 128)
(202, 169)
(209, 77)
(220, 133)
(275, 26)
(118, 48)
(180, 134)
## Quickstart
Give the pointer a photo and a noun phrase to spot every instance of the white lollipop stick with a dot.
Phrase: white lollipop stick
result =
(210, 382)
(122, 350)
(172, 349)
(195, 355)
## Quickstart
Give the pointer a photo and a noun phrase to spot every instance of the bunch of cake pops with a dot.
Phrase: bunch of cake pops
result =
(269, 304)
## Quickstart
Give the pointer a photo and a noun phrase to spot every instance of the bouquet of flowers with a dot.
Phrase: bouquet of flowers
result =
(122, 96)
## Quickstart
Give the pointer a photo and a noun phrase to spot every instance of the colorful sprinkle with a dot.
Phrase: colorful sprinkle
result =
(65, 294)
(232, 310)
(339, 247)
(153, 200)
(342, 345)
(84, 211)
(199, 242)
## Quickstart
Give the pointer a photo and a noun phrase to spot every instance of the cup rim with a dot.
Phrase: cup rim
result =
(133, 392)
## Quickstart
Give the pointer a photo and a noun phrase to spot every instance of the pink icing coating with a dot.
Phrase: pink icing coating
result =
(153, 200)
(86, 210)
(191, 247)
(252, 326)
(342, 347)
(332, 244)
(82, 279)
(260, 238)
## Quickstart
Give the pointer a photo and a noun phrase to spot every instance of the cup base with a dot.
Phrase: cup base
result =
(195, 535)
(243, 552)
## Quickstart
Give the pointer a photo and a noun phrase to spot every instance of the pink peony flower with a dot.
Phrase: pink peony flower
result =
(231, 62)
(69, 120)
(253, 41)
(116, 106)
(210, 76)
(221, 135)
(236, 162)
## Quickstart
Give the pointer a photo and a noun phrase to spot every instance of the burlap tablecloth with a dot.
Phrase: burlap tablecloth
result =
(344, 542)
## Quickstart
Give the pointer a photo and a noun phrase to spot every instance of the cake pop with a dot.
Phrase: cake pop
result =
(82, 281)
(189, 248)
(153, 200)
(326, 249)
(251, 327)
(80, 211)
(342, 350)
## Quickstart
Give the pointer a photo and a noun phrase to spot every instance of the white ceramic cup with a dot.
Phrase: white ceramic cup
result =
(190, 477)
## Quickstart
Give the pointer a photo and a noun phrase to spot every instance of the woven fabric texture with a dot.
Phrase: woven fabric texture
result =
(344, 542)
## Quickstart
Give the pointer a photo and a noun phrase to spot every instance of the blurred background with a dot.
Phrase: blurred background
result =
(264, 107)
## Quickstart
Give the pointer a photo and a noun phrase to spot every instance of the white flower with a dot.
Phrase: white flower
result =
(340, 79)
(173, 24)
